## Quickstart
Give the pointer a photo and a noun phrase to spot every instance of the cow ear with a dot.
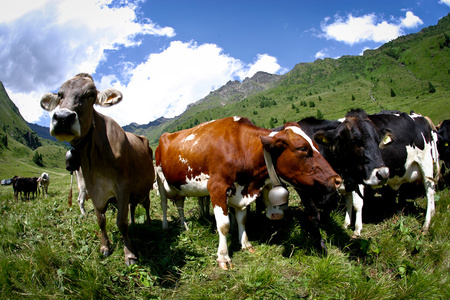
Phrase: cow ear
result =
(387, 139)
(108, 97)
(49, 101)
(271, 142)
(325, 138)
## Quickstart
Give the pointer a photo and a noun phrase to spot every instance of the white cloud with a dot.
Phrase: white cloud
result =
(321, 54)
(412, 21)
(52, 40)
(446, 2)
(263, 62)
(353, 30)
(167, 82)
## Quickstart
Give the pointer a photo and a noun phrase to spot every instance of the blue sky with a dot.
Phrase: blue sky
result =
(165, 54)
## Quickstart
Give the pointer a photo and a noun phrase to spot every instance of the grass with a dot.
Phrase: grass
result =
(48, 251)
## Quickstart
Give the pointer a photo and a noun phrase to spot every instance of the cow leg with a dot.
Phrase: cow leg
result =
(163, 197)
(81, 198)
(179, 202)
(358, 203)
(430, 190)
(203, 203)
(146, 205)
(104, 244)
(314, 219)
(241, 218)
(122, 224)
(348, 209)
(132, 208)
(223, 227)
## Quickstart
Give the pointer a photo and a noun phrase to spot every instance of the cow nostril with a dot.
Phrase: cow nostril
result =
(382, 175)
(338, 181)
(379, 176)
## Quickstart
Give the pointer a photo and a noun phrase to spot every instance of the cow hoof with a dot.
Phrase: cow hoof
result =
(104, 250)
(224, 265)
(356, 235)
(323, 248)
(131, 261)
(251, 249)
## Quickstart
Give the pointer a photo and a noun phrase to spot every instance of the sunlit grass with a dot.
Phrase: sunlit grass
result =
(48, 250)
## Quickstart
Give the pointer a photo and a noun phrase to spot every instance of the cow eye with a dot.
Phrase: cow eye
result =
(302, 149)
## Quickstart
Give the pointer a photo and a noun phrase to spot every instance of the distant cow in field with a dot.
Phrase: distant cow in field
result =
(233, 161)
(44, 181)
(25, 186)
(117, 165)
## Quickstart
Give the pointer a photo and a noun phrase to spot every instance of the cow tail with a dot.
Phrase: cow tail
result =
(69, 199)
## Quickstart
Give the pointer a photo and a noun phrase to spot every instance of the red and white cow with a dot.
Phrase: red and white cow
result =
(225, 159)
(117, 165)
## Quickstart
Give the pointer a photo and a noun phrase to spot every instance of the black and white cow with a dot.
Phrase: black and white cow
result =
(410, 154)
(352, 147)
(444, 142)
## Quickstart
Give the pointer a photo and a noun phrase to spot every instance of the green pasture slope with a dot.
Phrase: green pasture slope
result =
(48, 251)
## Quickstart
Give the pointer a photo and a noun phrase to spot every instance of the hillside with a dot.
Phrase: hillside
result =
(13, 125)
(20, 141)
(408, 73)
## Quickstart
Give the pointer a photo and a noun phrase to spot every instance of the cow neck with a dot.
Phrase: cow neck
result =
(271, 169)
(86, 140)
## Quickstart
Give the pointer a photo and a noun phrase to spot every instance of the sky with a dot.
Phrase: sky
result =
(166, 54)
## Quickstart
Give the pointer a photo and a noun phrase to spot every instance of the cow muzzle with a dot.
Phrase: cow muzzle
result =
(378, 177)
(65, 125)
(276, 212)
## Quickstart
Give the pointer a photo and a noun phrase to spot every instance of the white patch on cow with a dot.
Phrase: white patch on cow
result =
(419, 164)
(188, 138)
(300, 132)
(205, 123)
(183, 160)
(236, 119)
(238, 200)
(415, 115)
(223, 227)
(341, 120)
(195, 187)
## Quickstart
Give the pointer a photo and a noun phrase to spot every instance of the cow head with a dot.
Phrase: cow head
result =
(355, 145)
(298, 161)
(76, 98)
(444, 142)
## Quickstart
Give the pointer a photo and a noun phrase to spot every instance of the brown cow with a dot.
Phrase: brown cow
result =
(117, 165)
(225, 159)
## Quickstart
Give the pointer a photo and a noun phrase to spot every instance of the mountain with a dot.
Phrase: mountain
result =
(13, 125)
(411, 72)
